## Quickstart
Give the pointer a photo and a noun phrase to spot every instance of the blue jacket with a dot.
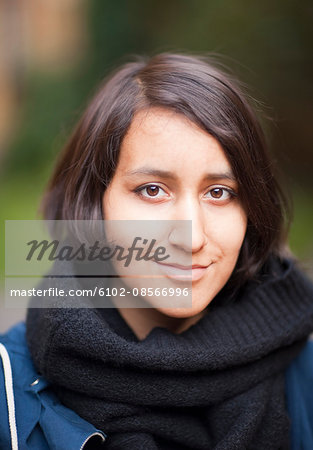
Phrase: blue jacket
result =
(42, 422)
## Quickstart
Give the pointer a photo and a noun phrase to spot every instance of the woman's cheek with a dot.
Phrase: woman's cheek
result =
(230, 233)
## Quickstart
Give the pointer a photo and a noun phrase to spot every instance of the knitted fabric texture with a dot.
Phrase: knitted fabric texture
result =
(217, 385)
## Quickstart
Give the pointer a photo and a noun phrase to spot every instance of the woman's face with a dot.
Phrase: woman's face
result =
(169, 169)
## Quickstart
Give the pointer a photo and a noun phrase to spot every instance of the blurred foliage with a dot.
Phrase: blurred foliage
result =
(272, 41)
(52, 105)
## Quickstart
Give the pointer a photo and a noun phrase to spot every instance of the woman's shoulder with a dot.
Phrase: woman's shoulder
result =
(299, 396)
(45, 422)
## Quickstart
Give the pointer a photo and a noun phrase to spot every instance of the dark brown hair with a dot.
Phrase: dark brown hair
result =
(209, 96)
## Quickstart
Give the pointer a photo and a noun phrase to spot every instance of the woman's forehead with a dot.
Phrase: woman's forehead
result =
(162, 139)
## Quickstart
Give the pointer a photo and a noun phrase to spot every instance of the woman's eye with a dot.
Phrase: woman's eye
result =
(219, 193)
(151, 191)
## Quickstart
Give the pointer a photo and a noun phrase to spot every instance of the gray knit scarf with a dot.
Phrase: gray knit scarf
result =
(218, 385)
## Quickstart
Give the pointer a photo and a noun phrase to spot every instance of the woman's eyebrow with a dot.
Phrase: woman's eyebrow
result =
(228, 175)
(152, 171)
(220, 176)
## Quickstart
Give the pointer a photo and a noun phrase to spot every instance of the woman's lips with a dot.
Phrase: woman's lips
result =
(183, 273)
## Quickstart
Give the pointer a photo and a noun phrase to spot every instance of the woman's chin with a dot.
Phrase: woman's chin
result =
(195, 309)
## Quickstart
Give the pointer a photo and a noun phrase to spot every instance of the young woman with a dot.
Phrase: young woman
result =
(174, 138)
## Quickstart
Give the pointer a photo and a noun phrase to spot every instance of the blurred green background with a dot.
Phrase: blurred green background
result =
(53, 53)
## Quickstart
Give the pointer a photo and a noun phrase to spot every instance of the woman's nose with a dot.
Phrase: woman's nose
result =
(189, 232)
